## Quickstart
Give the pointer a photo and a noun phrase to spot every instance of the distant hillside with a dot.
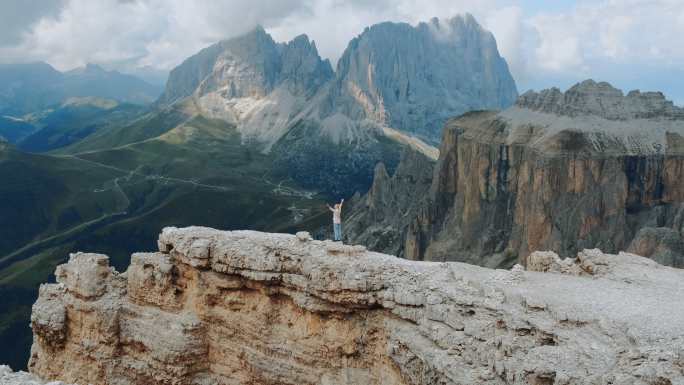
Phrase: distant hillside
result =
(26, 88)
(74, 121)
(14, 129)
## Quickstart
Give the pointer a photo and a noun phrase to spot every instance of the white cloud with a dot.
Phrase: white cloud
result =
(621, 31)
(159, 33)
(571, 42)
(506, 25)
(558, 47)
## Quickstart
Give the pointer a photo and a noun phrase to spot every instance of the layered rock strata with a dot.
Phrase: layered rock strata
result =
(590, 167)
(242, 307)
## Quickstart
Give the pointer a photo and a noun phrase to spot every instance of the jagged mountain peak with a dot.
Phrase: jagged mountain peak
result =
(302, 40)
(91, 69)
(94, 68)
(256, 35)
(592, 98)
(454, 25)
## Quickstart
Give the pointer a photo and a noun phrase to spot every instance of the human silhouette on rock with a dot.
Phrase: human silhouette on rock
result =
(337, 219)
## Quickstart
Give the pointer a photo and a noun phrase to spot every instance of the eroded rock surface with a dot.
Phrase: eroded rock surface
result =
(242, 307)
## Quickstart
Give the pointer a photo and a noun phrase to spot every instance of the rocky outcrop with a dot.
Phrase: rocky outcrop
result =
(563, 172)
(252, 308)
(663, 244)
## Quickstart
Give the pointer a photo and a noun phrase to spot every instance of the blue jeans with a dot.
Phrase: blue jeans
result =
(338, 231)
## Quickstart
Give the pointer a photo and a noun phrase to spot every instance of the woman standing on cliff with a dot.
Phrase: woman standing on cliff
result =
(337, 219)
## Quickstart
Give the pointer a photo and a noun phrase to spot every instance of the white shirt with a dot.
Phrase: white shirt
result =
(337, 215)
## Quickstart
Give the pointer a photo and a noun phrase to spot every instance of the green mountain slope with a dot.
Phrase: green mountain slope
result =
(145, 127)
(72, 122)
(116, 200)
(14, 129)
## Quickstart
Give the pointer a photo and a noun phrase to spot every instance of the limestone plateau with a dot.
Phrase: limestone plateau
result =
(243, 307)
(587, 168)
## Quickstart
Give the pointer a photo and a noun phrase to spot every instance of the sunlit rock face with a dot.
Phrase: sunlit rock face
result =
(249, 65)
(251, 81)
(243, 307)
(590, 167)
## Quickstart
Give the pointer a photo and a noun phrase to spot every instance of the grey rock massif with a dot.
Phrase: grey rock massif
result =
(395, 86)
(590, 167)
(242, 307)
(414, 78)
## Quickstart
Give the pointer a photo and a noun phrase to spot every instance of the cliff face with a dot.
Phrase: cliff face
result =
(588, 168)
(253, 308)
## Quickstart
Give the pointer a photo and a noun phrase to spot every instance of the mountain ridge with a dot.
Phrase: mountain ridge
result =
(601, 99)
(31, 87)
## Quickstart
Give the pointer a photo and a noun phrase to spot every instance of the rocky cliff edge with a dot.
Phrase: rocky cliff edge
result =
(245, 307)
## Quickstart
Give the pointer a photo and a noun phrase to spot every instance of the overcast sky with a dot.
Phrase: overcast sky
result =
(630, 43)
